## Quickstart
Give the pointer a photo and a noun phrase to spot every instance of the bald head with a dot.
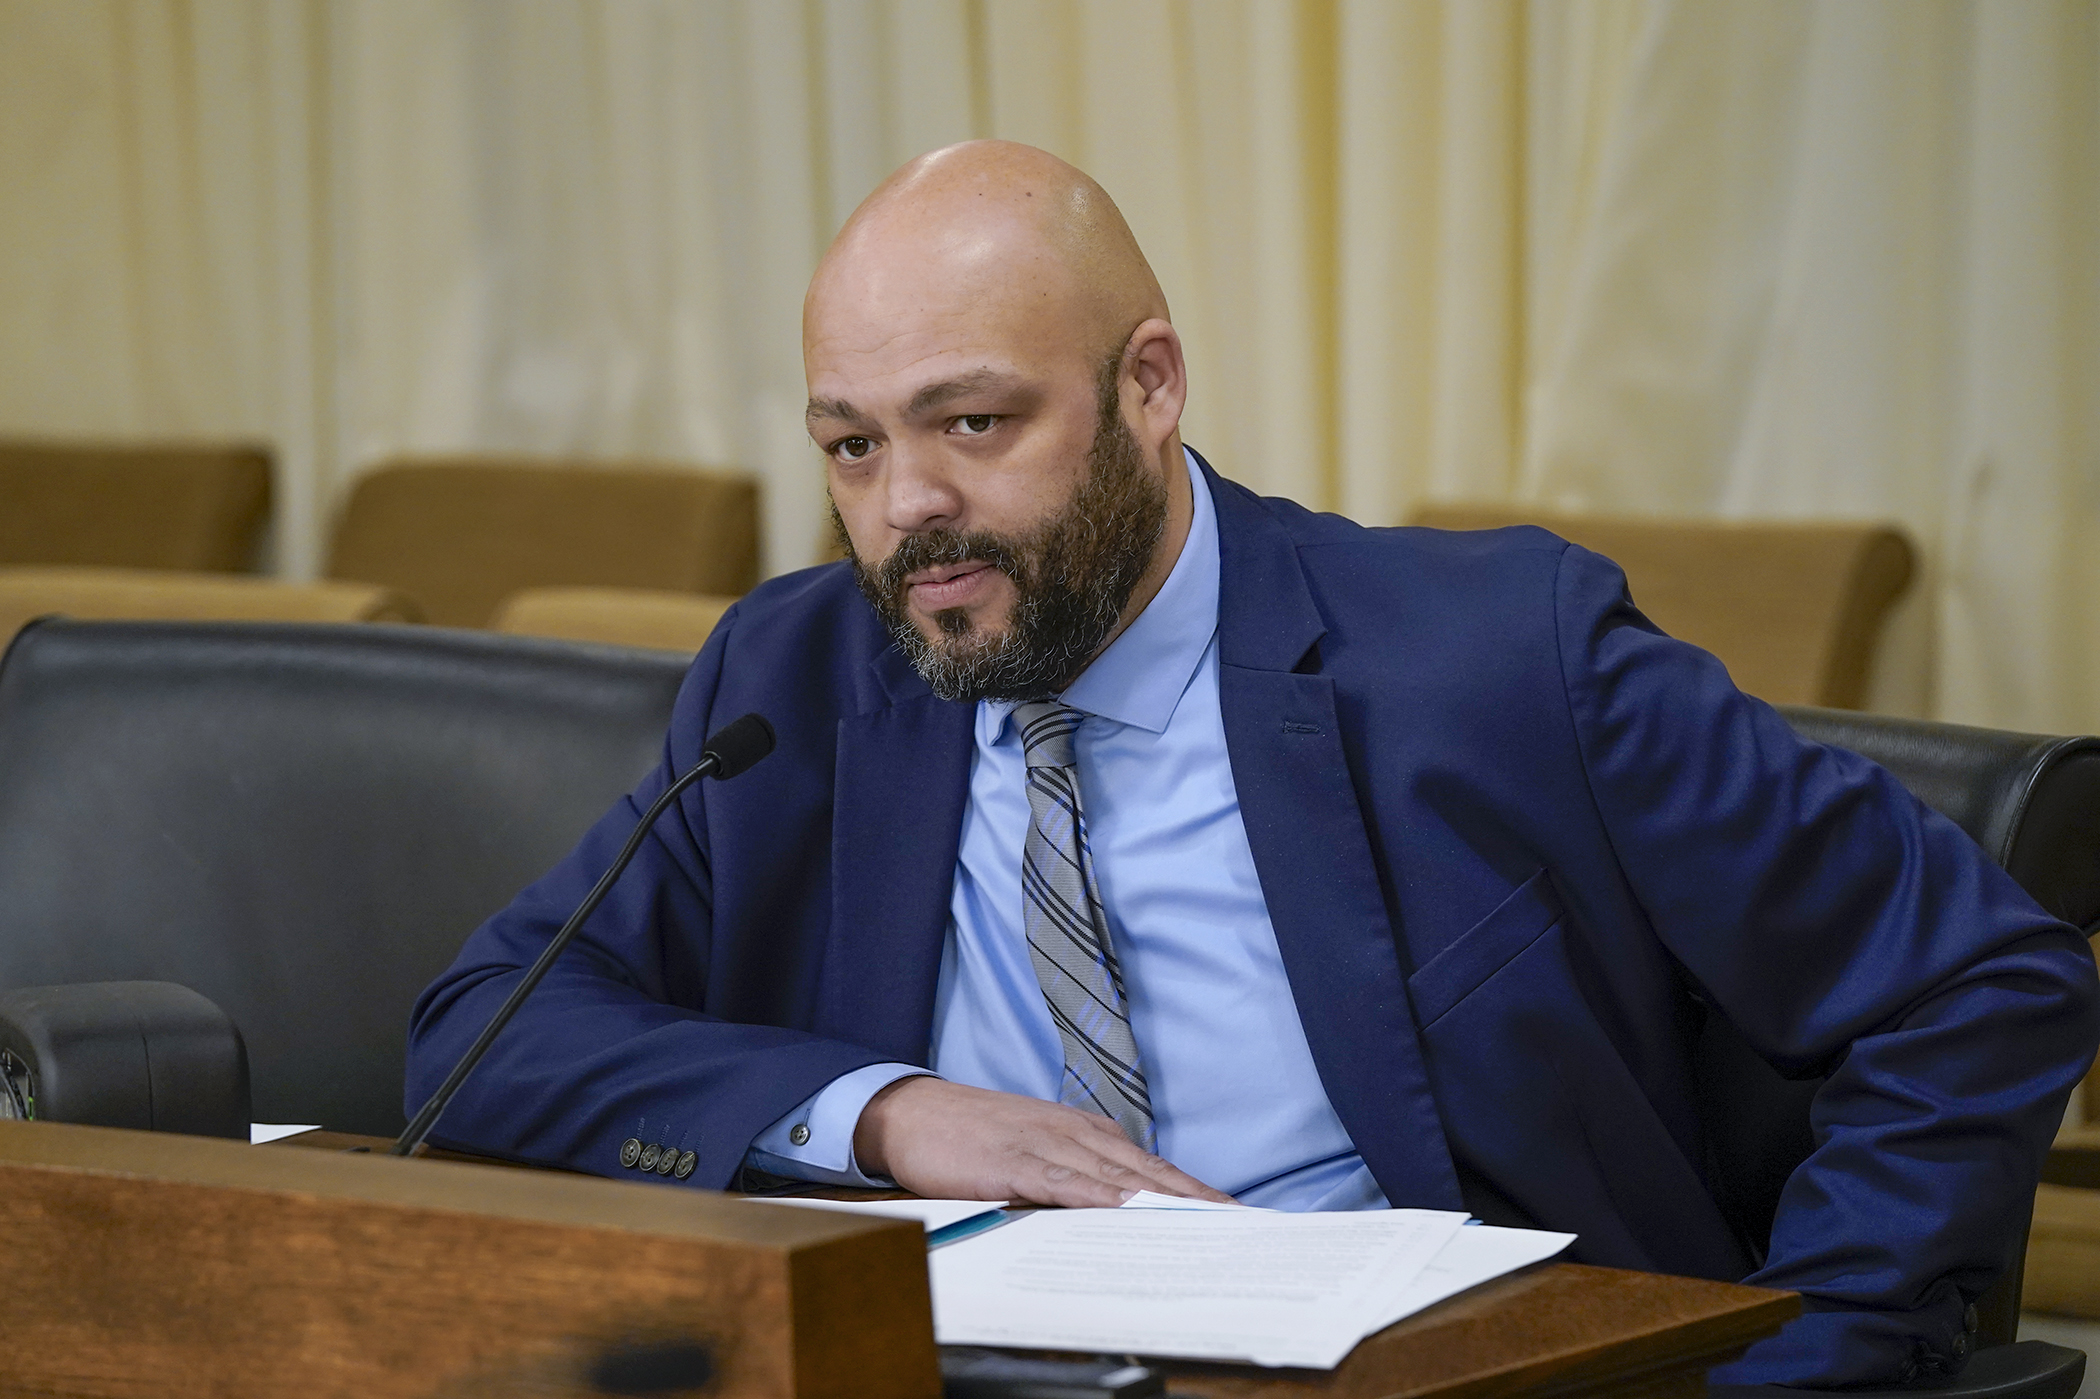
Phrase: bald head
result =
(999, 225)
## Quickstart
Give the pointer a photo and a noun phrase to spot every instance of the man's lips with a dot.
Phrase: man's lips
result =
(945, 572)
(951, 585)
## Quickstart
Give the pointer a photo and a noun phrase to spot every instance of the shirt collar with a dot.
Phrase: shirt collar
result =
(1140, 678)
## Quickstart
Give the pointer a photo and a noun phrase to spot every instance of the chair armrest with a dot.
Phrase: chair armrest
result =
(150, 1055)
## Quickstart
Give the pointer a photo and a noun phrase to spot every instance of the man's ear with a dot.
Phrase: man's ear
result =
(1152, 357)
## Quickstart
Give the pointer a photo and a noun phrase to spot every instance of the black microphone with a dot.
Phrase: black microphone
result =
(734, 747)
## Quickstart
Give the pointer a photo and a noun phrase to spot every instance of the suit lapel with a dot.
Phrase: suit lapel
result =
(903, 779)
(1312, 854)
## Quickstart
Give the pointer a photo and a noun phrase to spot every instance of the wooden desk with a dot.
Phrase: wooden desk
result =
(1560, 1329)
(379, 1146)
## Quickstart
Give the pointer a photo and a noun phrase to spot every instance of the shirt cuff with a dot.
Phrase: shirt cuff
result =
(815, 1141)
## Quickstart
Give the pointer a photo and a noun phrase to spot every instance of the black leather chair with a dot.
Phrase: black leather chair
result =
(2033, 803)
(301, 823)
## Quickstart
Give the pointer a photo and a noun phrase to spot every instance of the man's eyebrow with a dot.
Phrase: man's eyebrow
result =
(837, 408)
(934, 395)
(924, 401)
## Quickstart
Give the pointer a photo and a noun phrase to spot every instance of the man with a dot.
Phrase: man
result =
(1202, 844)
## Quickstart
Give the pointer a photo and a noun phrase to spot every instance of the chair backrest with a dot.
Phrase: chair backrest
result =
(460, 535)
(144, 594)
(1792, 609)
(2033, 804)
(616, 616)
(302, 823)
(144, 506)
(2031, 801)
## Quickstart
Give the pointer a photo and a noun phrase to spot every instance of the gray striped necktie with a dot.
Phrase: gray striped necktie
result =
(1068, 932)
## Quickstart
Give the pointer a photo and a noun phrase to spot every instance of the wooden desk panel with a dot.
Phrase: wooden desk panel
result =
(154, 1266)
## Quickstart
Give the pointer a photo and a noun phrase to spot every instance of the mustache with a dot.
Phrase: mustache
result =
(938, 548)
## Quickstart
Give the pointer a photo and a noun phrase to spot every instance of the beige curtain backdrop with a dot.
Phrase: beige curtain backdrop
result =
(1734, 257)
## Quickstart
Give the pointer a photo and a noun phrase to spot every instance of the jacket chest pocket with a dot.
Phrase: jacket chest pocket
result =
(1484, 949)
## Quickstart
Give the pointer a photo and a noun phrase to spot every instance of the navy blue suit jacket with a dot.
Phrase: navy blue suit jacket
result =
(1514, 842)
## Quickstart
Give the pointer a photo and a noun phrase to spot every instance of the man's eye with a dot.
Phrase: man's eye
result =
(976, 424)
(851, 448)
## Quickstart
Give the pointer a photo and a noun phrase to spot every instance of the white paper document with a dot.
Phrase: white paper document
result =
(1153, 1200)
(261, 1133)
(936, 1215)
(1476, 1254)
(1260, 1286)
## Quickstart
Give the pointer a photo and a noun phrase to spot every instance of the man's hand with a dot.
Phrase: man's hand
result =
(950, 1142)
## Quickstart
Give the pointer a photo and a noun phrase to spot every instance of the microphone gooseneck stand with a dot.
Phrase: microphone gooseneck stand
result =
(733, 748)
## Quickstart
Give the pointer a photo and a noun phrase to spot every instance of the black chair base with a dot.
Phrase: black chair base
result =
(2022, 1370)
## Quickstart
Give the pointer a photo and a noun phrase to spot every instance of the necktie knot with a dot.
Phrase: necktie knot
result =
(1047, 727)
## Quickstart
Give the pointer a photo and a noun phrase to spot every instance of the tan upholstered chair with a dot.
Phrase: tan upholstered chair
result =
(2063, 1249)
(138, 594)
(460, 535)
(2063, 1252)
(1793, 610)
(132, 506)
(618, 616)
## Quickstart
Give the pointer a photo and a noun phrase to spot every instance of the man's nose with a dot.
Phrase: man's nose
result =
(919, 494)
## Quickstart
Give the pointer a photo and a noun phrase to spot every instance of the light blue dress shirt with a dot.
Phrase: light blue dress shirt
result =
(1235, 1097)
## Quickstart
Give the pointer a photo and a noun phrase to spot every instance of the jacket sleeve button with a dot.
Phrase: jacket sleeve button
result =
(686, 1162)
(630, 1152)
(668, 1161)
(799, 1134)
(649, 1155)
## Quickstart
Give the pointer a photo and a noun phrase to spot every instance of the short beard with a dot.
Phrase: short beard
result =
(1072, 575)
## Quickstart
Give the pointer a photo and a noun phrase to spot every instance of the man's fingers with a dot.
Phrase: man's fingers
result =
(1110, 1159)
(941, 1139)
(1179, 1182)
(1162, 1178)
(1132, 1164)
(1071, 1188)
(1080, 1166)
(1103, 1183)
